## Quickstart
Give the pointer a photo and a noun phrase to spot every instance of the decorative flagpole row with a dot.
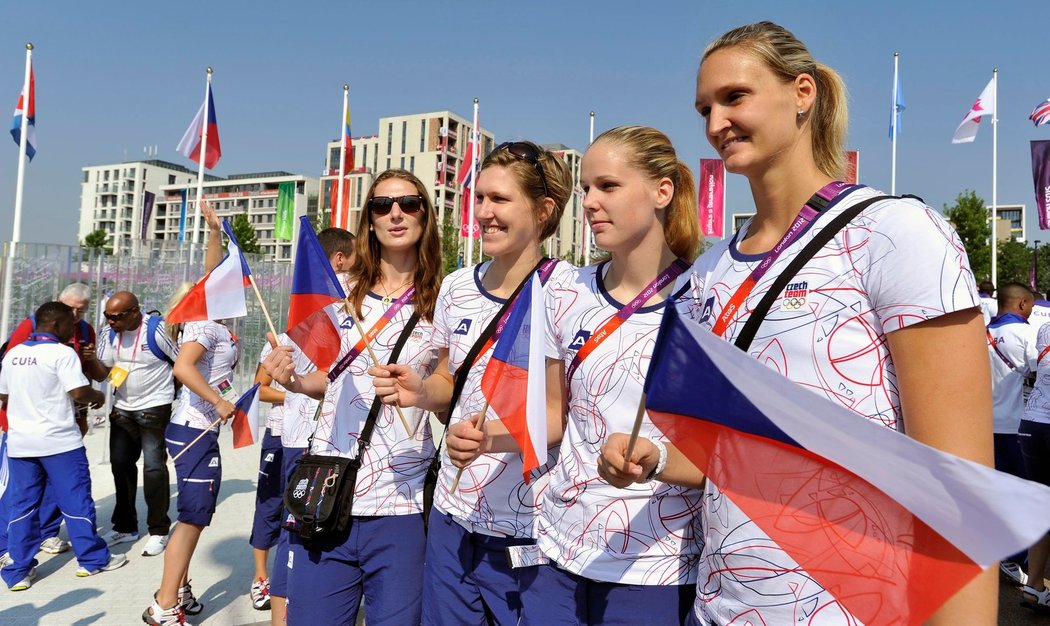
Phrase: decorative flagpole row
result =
(28, 108)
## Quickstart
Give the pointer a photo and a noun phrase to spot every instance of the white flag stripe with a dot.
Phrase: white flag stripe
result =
(191, 138)
(536, 398)
(224, 288)
(985, 106)
(986, 514)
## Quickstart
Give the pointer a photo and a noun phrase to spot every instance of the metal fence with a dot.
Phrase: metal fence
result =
(152, 270)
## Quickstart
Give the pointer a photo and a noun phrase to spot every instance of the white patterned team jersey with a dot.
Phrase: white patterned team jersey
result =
(215, 365)
(299, 409)
(1038, 407)
(275, 416)
(645, 534)
(492, 497)
(896, 264)
(390, 480)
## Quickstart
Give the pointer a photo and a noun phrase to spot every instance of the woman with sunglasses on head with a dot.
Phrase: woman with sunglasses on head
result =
(393, 288)
(521, 193)
(883, 299)
(207, 355)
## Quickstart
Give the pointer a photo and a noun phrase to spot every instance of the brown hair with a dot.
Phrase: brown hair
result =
(651, 153)
(365, 269)
(556, 173)
(176, 297)
(788, 57)
(336, 240)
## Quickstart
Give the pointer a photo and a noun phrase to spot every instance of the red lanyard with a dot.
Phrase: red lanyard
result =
(672, 272)
(135, 345)
(813, 207)
(372, 333)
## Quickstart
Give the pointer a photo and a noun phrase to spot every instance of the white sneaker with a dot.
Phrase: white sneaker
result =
(187, 601)
(116, 561)
(6, 560)
(26, 582)
(156, 616)
(1014, 572)
(112, 537)
(155, 545)
(54, 545)
(1035, 599)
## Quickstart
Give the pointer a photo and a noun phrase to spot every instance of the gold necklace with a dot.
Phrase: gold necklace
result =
(387, 299)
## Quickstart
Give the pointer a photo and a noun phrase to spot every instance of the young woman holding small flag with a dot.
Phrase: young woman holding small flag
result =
(867, 322)
(521, 192)
(393, 288)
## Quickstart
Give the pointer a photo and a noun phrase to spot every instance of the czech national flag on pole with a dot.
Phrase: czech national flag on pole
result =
(28, 110)
(246, 418)
(515, 383)
(890, 526)
(190, 146)
(220, 294)
(311, 324)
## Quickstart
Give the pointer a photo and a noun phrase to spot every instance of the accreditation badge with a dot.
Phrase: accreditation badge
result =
(117, 376)
(226, 391)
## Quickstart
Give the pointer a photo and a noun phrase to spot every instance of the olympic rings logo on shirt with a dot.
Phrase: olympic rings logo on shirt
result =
(793, 304)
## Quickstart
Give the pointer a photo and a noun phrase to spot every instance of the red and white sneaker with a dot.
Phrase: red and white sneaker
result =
(260, 594)
(156, 616)
(187, 601)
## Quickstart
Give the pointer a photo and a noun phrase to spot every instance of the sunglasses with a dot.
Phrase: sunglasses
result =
(526, 152)
(116, 317)
(381, 205)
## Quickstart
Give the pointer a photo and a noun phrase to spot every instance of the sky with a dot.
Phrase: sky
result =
(114, 77)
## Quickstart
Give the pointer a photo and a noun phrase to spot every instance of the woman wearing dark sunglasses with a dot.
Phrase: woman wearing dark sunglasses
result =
(521, 193)
(393, 279)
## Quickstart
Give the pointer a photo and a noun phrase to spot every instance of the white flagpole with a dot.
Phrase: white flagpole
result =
(476, 135)
(995, 170)
(588, 236)
(198, 232)
(893, 122)
(339, 208)
(16, 232)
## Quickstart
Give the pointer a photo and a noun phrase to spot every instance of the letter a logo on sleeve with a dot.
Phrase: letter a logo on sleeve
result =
(580, 339)
(462, 328)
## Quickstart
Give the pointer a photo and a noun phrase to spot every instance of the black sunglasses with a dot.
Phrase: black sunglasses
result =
(529, 154)
(381, 205)
(116, 317)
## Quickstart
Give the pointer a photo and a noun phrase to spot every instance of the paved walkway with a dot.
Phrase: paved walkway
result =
(221, 571)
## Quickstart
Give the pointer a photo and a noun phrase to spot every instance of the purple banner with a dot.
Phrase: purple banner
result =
(1041, 177)
(147, 210)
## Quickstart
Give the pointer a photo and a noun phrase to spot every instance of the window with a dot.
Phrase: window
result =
(402, 166)
(270, 203)
(388, 163)
(364, 158)
(404, 135)
(422, 135)
(171, 179)
(358, 203)
(389, 138)
(412, 164)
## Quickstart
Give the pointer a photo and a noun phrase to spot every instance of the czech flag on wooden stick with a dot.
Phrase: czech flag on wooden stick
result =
(220, 294)
(515, 382)
(311, 323)
(246, 418)
(889, 526)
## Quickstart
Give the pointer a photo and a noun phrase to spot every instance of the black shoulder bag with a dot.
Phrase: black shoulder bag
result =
(320, 490)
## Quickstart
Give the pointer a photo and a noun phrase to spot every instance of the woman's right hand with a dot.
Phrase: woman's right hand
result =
(280, 367)
(465, 442)
(224, 409)
(398, 384)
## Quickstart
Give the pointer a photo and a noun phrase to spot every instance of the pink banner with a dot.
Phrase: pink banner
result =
(464, 226)
(1041, 177)
(712, 198)
(852, 166)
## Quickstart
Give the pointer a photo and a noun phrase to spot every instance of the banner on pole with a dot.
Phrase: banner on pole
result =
(712, 198)
(282, 230)
(182, 216)
(464, 226)
(852, 166)
(1041, 178)
(147, 211)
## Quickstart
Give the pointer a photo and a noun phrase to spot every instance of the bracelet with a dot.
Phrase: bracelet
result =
(661, 464)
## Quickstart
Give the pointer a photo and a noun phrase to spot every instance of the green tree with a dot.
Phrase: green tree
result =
(449, 245)
(1013, 263)
(97, 240)
(245, 233)
(969, 216)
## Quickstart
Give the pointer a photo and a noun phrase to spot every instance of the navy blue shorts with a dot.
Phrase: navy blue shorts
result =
(279, 577)
(269, 495)
(1035, 447)
(198, 472)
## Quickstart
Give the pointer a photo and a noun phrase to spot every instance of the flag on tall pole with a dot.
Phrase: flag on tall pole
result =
(200, 143)
(1041, 113)
(148, 197)
(25, 117)
(891, 527)
(283, 223)
(468, 175)
(984, 105)
(588, 235)
(220, 294)
(346, 162)
(895, 121)
(967, 132)
(24, 135)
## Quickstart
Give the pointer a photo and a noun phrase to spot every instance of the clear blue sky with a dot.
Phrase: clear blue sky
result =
(114, 77)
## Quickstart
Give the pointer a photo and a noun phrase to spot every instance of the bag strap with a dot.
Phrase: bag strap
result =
(750, 329)
(151, 341)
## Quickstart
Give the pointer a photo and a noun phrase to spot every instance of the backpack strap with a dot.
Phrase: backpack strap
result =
(151, 340)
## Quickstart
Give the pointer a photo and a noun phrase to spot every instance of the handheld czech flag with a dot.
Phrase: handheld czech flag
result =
(246, 418)
(220, 294)
(515, 382)
(190, 145)
(26, 107)
(891, 527)
(311, 323)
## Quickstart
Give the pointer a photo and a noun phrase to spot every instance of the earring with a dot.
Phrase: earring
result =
(801, 113)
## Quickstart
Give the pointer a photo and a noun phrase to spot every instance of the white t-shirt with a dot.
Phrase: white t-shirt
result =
(149, 382)
(37, 376)
(645, 534)
(1040, 313)
(897, 264)
(299, 408)
(492, 497)
(390, 480)
(1013, 359)
(215, 365)
(1038, 407)
(989, 308)
(275, 416)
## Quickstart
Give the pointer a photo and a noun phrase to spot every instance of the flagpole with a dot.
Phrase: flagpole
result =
(587, 235)
(893, 150)
(478, 424)
(16, 232)
(368, 346)
(474, 185)
(339, 208)
(635, 430)
(995, 171)
(194, 238)
(195, 440)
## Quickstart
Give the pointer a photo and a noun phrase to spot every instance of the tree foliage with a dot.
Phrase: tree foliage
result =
(449, 245)
(969, 216)
(97, 240)
(245, 233)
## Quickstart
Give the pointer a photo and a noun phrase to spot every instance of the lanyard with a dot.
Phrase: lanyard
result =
(1045, 351)
(135, 345)
(47, 337)
(810, 211)
(998, 353)
(609, 327)
(345, 362)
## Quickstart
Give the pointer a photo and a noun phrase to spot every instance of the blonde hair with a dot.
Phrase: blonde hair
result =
(787, 57)
(173, 301)
(650, 152)
(556, 173)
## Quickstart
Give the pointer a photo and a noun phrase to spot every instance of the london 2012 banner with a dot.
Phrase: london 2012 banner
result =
(1041, 178)
(712, 198)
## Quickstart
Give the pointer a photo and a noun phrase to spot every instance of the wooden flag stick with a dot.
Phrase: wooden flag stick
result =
(266, 314)
(634, 432)
(361, 331)
(198, 438)
(478, 425)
